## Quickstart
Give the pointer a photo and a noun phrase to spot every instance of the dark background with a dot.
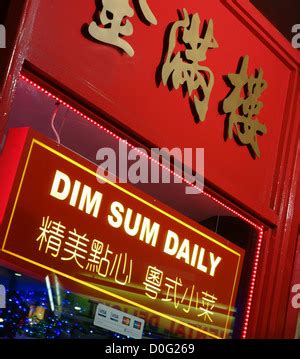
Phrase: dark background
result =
(283, 14)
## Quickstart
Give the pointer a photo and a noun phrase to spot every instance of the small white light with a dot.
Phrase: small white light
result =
(77, 308)
(1, 320)
(18, 274)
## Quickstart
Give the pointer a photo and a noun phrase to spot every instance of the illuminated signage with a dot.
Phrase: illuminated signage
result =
(119, 241)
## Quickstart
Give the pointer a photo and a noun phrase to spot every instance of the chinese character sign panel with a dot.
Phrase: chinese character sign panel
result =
(117, 240)
(187, 74)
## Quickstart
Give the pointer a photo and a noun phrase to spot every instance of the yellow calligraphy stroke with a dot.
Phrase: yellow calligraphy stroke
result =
(147, 12)
(59, 154)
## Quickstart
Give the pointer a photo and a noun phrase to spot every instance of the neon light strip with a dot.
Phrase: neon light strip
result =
(49, 293)
(252, 284)
(241, 216)
(58, 297)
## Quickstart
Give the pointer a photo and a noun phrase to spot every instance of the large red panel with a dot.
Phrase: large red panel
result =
(125, 87)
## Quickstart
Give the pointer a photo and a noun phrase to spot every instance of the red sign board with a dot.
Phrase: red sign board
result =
(131, 75)
(118, 241)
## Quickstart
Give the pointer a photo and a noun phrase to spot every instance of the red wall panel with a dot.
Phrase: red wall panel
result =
(125, 87)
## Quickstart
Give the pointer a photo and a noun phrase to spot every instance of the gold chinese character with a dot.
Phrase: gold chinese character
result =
(115, 24)
(125, 272)
(173, 288)
(183, 68)
(208, 304)
(76, 247)
(105, 263)
(51, 234)
(242, 112)
(190, 300)
(147, 12)
(153, 281)
(94, 260)
(45, 229)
